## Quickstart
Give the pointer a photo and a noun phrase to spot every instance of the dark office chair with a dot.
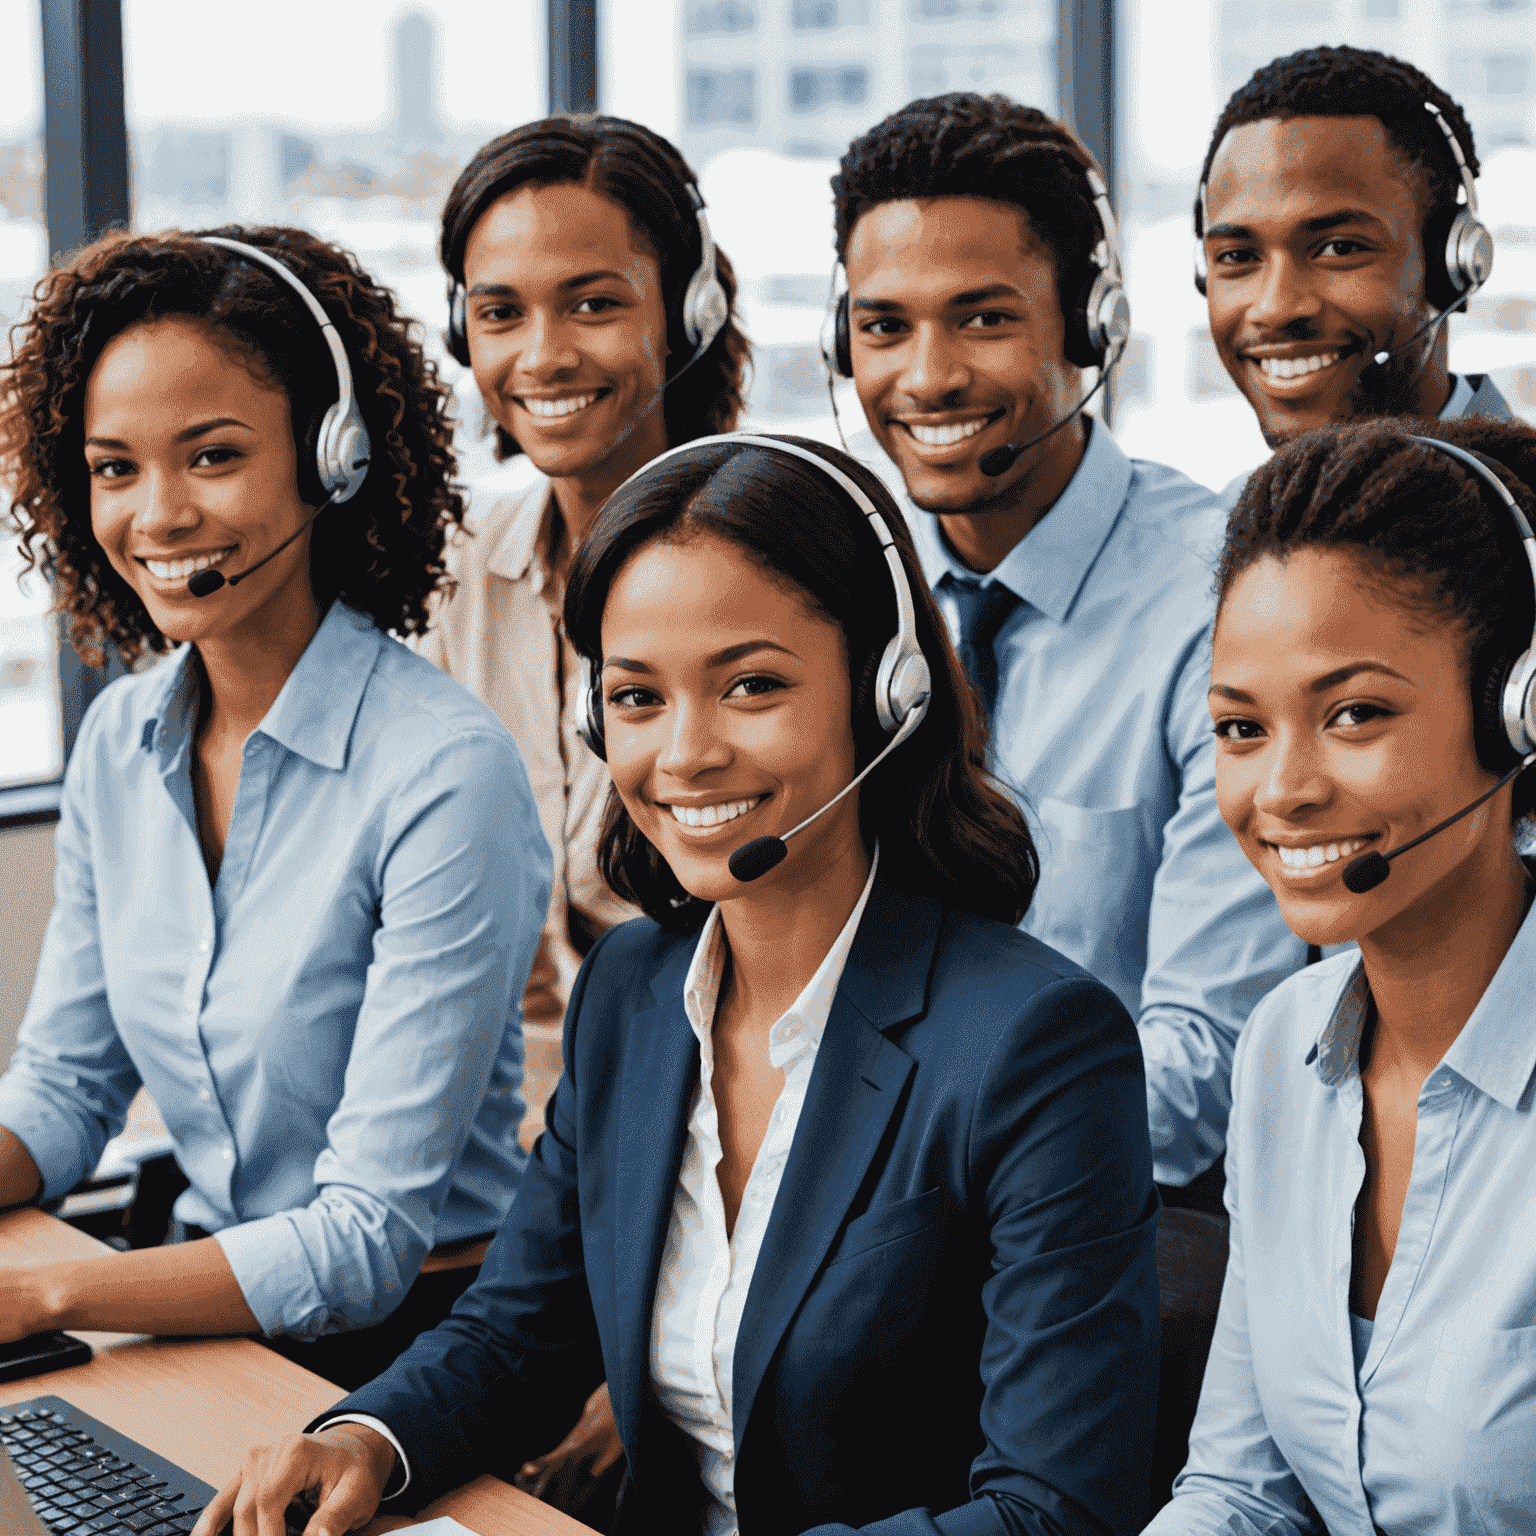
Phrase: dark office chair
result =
(1191, 1264)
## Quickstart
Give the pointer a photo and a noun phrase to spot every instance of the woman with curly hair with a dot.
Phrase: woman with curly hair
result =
(300, 875)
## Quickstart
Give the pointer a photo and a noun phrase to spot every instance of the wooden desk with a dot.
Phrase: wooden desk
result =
(201, 1402)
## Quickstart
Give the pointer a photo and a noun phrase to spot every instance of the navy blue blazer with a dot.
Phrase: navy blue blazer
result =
(953, 1321)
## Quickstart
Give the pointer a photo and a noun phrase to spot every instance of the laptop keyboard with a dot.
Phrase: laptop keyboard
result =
(80, 1487)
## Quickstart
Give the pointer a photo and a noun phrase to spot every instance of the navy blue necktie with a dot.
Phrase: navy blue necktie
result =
(982, 613)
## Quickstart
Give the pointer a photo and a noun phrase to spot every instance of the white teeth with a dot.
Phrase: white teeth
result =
(1295, 367)
(179, 570)
(557, 407)
(1319, 853)
(711, 815)
(941, 437)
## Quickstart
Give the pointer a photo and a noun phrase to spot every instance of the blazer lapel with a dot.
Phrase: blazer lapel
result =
(855, 1087)
(661, 1062)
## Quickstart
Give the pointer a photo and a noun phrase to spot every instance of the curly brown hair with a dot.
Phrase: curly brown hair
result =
(650, 180)
(380, 552)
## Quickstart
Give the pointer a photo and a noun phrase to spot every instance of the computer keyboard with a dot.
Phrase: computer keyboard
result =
(85, 1479)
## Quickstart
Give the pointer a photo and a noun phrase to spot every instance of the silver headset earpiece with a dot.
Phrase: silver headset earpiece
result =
(1108, 310)
(706, 307)
(342, 449)
(903, 681)
(1517, 704)
(1469, 245)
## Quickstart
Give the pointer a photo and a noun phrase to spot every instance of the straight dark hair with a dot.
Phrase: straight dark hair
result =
(946, 827)
(648, 178)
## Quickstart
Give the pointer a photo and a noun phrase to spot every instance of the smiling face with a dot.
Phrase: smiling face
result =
(956, 334)
(192, 464)
(1314, 249)
(567, 331)
(1344, 724)
(726, 712)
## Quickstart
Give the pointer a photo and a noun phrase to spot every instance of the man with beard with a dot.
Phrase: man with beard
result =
(1331, 247)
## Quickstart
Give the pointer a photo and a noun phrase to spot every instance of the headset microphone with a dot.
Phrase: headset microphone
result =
(1384, 356)
(1504, 699)
(998, 461)
(1370, 869)
(206, 583)
(763, 853)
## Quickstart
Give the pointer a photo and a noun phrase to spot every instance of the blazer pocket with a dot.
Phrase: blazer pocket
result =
(888, 1222)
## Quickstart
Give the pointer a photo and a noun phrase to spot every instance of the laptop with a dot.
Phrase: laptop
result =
(71, 1475)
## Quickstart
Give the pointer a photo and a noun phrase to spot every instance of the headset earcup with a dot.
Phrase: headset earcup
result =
(457, 336)
(1495, 753)
(842, 340)
(589, 722)
(1441, 284)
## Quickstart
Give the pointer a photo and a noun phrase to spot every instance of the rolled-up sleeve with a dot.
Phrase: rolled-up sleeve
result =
(71, 1079)
(1216, 944)
(463, 872)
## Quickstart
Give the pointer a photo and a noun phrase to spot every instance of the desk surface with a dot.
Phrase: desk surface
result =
(201, 1402)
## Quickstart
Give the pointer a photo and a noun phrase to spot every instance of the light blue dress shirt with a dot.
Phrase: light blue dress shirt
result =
(1102, 728)
(1437, 1435)
(332, 1030)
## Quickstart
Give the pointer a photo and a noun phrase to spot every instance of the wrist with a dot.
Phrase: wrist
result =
(377, 1453)
(40, 1298)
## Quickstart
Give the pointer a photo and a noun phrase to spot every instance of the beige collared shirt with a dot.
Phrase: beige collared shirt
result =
(500, 634)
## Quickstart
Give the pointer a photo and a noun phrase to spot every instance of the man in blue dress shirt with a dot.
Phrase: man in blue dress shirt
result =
(1077, 582)
(1327, 195)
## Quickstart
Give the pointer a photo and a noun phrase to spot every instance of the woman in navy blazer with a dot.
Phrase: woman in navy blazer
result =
(950, 1299)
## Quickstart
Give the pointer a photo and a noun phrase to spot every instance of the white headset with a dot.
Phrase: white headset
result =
(342, 449)
(903, 682)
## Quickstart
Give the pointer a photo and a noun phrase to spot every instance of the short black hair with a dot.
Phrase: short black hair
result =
(647, 176)
(967, 145)
(1355, 82)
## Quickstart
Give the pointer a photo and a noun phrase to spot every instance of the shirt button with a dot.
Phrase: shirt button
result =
(228, 1153)
(1445, 1082)
(203, 1094)
(727, 1455)
(204, 947)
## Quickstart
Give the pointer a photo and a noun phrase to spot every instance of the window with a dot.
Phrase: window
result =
(812, 89)
(31, 713)
(1386, 9)
(722, 96)
(822, 15)
(709, 18)
(1018, 72)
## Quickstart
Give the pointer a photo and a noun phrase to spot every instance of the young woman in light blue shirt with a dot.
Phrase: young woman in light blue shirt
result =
(300, 875)
(1374, 1364)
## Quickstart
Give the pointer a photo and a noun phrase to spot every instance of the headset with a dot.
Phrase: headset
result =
(342, 448)
(1098, 319)
(1503, 698)
(706, 307)
(1458, 246)
(903, 681)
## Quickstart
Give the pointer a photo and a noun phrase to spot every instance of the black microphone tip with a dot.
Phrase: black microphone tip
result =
(757, 857)
(1366, 873)
(205, 583)
(998, 461)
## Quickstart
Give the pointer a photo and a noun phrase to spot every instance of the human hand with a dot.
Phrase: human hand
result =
(591, 1449)
(24, 1305)
(342, 1470)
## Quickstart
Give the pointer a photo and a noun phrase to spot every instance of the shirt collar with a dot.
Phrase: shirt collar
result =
(314, 713)
(1461, 398)
(1048, 566)
(524, 543)
(805, 1021)
(1496, 1049)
